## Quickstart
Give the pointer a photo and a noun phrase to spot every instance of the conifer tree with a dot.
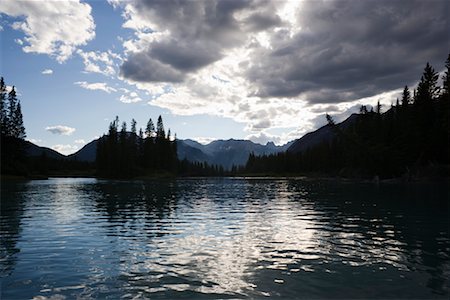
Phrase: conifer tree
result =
(112, 132)
(446, 79)
(406, 96)
(428, 89)
(150, 129)
(378, 108)
(330, 120)
(12, 104)
(133, 127)
(160, 133)
(3, 108)
(140, 145)
(363, 109)
(19, 128)
(133, 145)
(123, 132)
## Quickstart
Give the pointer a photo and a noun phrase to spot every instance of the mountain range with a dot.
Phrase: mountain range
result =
(324, 134)
(224, 153)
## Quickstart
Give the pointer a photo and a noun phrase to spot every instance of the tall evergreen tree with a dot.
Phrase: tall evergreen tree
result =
(446, 79)
(160, 133)
(11, 127)
(123, 131)
(133, 144)
(133, 127)
(406, 96)
(330, 120)
(150, 129)
(140, 145)
(428, 88)
(378, 108)
(19, 128)
(3, 108)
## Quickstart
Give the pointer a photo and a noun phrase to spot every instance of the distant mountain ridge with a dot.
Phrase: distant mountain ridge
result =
(225, 153)
(33, 150)
(321, 135)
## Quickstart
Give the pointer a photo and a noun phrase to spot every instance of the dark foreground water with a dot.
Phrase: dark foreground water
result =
(220, 238)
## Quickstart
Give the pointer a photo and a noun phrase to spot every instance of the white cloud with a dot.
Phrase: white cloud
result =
(96, 86)
(19, 41)
(219, 88)
(65, 149)
(99, 62)
(204, 140)
(80, 141)
(115, 3)
(47, 72)
(35, 141)
(290, 134)
(263, 138)
(9, 88)
(60, 129)
(227, 85)
(55, 28)
(131, 97)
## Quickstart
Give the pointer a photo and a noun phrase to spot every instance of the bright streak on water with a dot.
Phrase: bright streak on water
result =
(220, 238)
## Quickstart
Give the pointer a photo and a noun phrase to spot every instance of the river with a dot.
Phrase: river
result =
(66, 238)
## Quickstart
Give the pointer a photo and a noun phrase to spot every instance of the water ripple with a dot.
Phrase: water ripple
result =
(223, 238)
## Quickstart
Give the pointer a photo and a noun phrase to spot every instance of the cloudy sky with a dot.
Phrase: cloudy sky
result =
(260, 70)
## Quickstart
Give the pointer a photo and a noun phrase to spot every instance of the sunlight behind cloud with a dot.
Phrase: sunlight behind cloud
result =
(270, 71)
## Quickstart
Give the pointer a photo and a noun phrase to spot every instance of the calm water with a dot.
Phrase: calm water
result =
(220, 238)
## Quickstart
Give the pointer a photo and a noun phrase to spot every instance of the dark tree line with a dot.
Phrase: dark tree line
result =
(12, 131)
(13, 147)
(188, 168)
(150, 152)
(413, 135)
(11, 119)
(124, 154)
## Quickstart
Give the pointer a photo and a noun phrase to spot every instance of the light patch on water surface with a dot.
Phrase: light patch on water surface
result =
(238, 238)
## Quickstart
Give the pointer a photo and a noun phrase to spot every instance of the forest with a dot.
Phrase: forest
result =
(14, 158)
(410, 139)
(149, 153)
(12, 131)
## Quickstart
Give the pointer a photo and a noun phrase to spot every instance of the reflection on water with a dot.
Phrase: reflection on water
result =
(223, 238)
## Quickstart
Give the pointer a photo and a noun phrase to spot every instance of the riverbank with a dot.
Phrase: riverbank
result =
(431, 173)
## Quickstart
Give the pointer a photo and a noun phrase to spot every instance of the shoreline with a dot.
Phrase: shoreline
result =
(304, 177)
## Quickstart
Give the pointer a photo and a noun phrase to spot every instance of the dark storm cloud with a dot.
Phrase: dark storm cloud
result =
(141, 67)
(185, 57)
(196, 20)
(263, 20)
(352, 49)
(199, 32)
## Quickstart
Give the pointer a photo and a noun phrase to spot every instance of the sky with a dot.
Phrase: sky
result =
(243, 69)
